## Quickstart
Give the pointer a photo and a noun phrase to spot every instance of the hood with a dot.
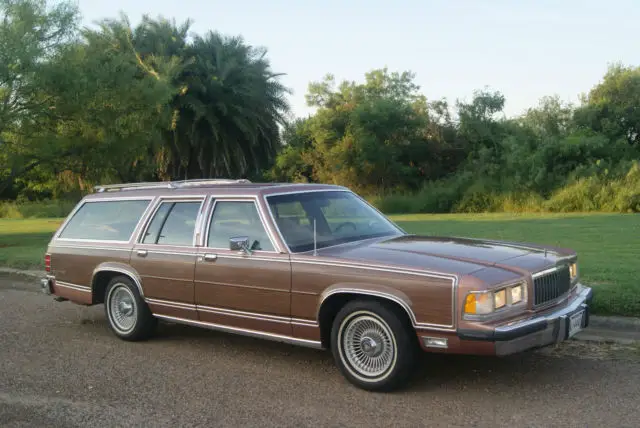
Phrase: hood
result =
(500, 260)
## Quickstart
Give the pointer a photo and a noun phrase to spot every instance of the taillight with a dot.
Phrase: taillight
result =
(47, 262)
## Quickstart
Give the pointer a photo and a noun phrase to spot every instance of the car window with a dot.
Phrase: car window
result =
(105, 220)
(234, 219)
(325, 218)
(173, 224)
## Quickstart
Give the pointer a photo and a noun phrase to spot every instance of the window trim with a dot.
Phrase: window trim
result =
(252, 199)
(173, 199)
(84, 202)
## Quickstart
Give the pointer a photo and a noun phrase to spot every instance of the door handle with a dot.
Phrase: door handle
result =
(210, 257)
(141, 253)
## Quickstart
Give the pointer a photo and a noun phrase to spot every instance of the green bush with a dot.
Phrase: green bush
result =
(36, 209)
(607, 191)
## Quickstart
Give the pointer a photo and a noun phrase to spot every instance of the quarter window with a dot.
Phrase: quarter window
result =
(105, 220)
(173, 224)
(235, 219)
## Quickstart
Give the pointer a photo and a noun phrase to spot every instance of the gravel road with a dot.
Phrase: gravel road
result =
(60, 366)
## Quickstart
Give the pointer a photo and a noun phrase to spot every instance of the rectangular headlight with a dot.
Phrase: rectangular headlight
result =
(500, 299)
(517, 294)
(486, 302)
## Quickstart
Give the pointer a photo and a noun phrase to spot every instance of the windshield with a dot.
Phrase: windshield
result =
(340, 217)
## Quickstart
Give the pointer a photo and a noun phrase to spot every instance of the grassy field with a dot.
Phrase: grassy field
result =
(608, 245)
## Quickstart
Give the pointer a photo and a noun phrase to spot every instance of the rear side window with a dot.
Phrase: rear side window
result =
(105, 220)
(173, 224)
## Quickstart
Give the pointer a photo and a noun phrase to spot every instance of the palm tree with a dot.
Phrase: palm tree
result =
(226, 115)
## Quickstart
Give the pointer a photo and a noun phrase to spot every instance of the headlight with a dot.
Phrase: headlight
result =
(486, 302)
(517, 293)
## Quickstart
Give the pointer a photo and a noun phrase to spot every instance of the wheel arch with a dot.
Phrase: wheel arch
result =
(334, 299)
(104, 272)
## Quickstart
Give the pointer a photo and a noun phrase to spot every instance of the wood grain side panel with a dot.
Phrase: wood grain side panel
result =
(166, 276)
(80, 297)
(430, 298)
(76, 264)
(246, 284)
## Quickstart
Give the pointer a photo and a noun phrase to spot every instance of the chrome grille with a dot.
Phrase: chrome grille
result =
(551, 286)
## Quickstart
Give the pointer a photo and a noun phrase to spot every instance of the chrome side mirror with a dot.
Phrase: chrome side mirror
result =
(240, 243)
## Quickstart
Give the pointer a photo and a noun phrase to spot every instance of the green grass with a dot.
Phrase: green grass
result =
(23, 242)
(608, 245)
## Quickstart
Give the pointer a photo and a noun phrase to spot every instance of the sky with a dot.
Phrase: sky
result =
(525, 49)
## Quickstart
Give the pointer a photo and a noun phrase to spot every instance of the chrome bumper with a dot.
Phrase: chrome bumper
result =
(539, 331)
(45, 284)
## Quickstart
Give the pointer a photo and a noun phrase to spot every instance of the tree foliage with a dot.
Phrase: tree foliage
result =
(154, 102)
(122, 103)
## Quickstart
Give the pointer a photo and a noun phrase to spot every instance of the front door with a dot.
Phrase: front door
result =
(240, 289)
(165, 257)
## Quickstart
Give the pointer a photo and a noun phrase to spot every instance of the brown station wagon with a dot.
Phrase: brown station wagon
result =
(312, 265)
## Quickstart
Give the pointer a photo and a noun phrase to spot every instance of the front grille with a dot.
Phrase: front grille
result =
(551, 286)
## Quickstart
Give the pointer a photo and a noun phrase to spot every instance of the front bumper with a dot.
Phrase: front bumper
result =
(539, 331)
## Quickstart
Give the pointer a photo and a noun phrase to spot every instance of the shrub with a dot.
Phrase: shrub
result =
(36, 209)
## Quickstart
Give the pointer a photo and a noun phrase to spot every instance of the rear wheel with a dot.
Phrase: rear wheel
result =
(128, 314)
(373, 346)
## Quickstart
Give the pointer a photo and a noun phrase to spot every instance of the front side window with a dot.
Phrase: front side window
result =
(105, 220)
(173, 224)
(339, 217)
(232, 219)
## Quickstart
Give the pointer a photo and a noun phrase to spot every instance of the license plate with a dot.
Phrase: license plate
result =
(575, 323)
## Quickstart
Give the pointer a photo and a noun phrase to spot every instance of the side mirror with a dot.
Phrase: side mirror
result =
(239, 243)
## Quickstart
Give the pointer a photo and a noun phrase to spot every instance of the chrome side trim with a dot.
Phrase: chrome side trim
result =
(403, 304)
(89, 247)
(251, 333)
(304, 322)
(242, 314)
(255, 256)
(130, 273)
(76, 287)
(171, 304)
(419, 272)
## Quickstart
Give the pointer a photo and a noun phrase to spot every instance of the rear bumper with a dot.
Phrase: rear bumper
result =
(46, 286)
(538, 331)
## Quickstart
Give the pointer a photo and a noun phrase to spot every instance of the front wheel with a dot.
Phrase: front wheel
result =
(128, 314)
(373, 346)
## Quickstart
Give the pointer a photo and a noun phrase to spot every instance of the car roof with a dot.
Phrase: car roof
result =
(240, 188)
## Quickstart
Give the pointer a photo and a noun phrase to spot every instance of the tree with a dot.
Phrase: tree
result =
(227, 114)
(31, 33)
(613, 106)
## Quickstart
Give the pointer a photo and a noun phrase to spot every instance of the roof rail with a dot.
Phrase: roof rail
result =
(167, 184)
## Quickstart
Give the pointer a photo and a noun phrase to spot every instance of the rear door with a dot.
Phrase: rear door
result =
(165, 256)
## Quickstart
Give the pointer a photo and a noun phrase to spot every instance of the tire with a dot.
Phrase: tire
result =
(381, 332)
(128, 314)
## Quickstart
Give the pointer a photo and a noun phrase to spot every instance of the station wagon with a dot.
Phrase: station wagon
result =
(312, 265)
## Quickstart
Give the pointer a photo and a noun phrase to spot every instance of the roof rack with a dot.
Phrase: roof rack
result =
(167, 184)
